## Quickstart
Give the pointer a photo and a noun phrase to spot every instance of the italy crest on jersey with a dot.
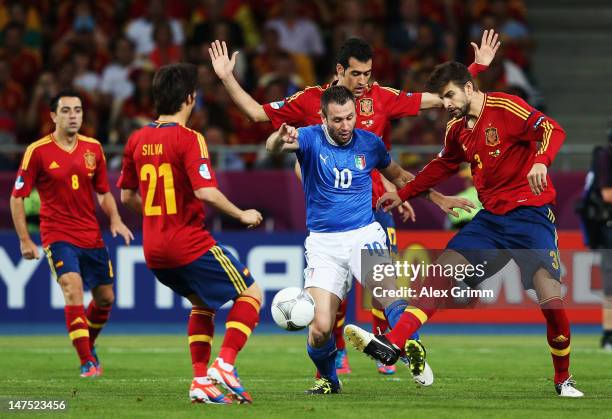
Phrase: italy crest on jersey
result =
(360, 161)
(492, 137)
(90, 160)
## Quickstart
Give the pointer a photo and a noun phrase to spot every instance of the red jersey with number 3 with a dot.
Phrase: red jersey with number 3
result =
(501, 147)
(375, 109)
(66, 181)
(167, 162)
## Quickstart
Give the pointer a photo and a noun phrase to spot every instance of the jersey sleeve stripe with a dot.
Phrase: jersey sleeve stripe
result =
(390, 89)
(203, 148)
(30, 150)
(520, 115)
(548, 128)
(510, 104)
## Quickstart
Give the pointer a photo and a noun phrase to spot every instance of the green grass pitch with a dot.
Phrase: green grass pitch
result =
(149, 376)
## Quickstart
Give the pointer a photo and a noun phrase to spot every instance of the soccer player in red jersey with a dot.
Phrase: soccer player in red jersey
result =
(166, 175)
(497, 134)
(67, 168)
(377, 106)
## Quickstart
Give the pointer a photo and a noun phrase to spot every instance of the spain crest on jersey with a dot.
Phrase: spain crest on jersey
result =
(360, 161)
(90, 160)
(492, 137)
(366, 106)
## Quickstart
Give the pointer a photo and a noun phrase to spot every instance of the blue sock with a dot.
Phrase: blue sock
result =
(324, 358)
(394, 311)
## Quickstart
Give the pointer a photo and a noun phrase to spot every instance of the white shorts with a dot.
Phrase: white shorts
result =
(334, 258)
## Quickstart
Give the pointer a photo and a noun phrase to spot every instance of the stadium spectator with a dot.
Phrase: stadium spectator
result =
(297, 33)
(166, 51)
(24, 64)
(140, 30)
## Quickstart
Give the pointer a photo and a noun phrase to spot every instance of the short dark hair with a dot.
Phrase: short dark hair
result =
(447, 72)
(356, 48)
(172, 84)
(335, 94)
(64, 93)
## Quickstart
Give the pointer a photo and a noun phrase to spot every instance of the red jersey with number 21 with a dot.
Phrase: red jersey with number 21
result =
(168, 162)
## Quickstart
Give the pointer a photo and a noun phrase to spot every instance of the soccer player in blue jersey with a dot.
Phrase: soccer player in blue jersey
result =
(336, 162)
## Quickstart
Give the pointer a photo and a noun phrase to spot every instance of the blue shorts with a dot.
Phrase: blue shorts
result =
(216, 277)
(93, 265)
(385, 219)
(525, 234)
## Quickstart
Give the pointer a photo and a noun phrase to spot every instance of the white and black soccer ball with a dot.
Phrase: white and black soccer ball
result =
(293, 308)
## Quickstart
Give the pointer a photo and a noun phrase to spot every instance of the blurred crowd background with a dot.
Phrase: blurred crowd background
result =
(109, 50)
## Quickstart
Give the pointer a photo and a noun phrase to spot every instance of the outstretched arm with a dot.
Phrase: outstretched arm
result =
(215, 198)
(223, 66)
(283, 140)
(483, 56)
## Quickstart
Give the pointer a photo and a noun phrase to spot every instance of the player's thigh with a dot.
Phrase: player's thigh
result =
(72, 288)
(97, 269)
(218, 277)
(327, 265)
(546, 286)
(368, 248)
(386, 221)
(532, 243)
(477, 245)
(326, 307)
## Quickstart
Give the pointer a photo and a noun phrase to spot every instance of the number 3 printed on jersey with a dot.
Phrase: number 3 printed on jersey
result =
(343, 178)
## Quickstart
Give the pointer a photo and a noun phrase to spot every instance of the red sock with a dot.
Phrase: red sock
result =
(379, 322)
(96, 319)
(200, 329)
(339, 326)
(558, 336)
(415, 315)
(76, 323)
(241, 321)
(409, 322)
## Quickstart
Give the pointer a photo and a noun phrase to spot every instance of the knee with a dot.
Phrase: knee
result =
(106, 300)
(72, 288)
(319, 335)
(253, 291)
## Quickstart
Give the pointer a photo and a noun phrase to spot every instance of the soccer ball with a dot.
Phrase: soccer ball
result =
(293, 308)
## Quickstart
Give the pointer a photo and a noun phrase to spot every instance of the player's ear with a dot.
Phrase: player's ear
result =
(339, 69)
(469, 88)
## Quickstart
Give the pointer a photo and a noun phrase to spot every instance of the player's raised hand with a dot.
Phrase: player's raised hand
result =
(221, 62)
(388, 201)
(288, 134)
(29, 249)
(449, 203)
(407, 212)
(117, 227)
(251, 218)
(537, 178)
(488, 47)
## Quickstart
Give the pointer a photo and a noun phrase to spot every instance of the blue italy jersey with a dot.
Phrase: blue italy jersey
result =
(337, 179)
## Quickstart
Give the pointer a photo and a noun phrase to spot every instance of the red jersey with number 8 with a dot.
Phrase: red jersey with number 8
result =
(167, 162)
(66, 181)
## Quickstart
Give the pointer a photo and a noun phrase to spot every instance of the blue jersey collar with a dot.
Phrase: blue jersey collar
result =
(331, 141)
